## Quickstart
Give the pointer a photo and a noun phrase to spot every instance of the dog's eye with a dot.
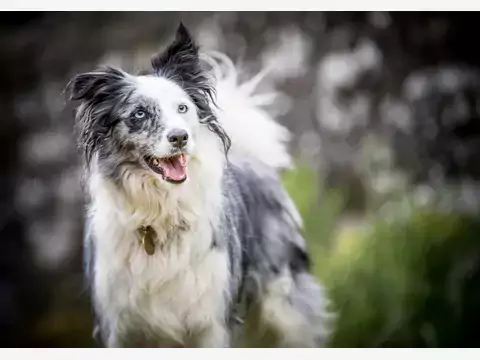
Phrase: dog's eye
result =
(182, 108)
(139, 114)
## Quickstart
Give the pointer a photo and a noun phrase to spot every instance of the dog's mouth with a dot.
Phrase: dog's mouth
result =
(172, 169)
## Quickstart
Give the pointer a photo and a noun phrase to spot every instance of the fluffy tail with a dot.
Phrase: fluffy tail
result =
(254, 132)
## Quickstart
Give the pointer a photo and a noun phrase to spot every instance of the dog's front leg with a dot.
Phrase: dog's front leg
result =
(106, 336)
(113, 341)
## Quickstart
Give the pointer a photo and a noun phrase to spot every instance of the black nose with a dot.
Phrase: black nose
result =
(178, 138)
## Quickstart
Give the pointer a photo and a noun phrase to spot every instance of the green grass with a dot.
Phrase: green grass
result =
(319, 209)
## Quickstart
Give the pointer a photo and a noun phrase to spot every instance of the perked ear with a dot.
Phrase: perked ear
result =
(180, 59)
(183, 51)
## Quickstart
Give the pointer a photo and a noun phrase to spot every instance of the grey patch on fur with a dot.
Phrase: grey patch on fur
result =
(262, 239)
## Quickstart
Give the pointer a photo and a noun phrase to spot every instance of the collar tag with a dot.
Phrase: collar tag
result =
(148, 239)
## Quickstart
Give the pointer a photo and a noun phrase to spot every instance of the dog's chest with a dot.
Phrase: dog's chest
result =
(172, 294)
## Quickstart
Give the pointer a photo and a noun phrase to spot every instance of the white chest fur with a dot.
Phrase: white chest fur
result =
(173, 296)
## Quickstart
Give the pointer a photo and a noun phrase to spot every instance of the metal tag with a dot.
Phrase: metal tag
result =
(148, 240)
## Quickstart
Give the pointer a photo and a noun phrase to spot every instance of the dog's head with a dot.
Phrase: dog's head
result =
(151, 121)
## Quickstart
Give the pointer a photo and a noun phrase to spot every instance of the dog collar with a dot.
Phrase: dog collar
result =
(147, 235)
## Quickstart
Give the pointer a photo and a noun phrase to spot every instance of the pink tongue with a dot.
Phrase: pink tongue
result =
(174, 168)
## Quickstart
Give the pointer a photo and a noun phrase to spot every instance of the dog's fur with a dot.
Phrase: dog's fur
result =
(228, 243)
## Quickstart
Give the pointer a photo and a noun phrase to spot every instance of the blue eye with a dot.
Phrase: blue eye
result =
(182, 108)
(139, 114)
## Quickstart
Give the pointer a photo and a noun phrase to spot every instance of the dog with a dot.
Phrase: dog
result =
(190, 238)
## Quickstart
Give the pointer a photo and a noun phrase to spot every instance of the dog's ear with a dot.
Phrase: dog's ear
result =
(98, 91)
(86, 85)
(82, 85)
(180, 59)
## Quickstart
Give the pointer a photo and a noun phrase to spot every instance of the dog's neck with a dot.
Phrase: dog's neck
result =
(142, 199)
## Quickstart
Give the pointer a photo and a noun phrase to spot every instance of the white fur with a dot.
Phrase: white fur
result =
(176, 296)
(180, 287)
(254, 133)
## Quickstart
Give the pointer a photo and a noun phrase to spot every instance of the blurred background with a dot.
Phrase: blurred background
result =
(384, 108)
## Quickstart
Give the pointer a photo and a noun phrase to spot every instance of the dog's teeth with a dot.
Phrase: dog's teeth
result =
(155, 161)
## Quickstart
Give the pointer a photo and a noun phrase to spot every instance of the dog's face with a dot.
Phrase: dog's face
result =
(149, 121)
(159, 122)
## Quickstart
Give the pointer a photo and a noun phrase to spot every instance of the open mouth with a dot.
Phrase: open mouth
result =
(173, 169)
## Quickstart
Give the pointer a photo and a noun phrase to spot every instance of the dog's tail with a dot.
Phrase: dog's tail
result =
(253, 131)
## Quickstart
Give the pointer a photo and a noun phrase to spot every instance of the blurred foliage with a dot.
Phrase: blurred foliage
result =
(413, 281)
(319, 208)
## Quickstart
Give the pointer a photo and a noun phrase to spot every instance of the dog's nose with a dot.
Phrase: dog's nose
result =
(178, 138)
